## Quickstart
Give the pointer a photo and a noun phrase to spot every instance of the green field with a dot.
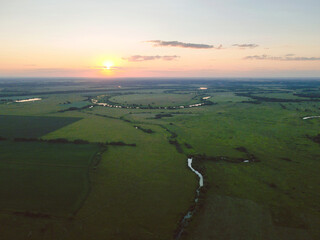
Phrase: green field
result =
(143, 191)
(44, 177)
(31, 126)
(99, 129)
(226, 97)
(285, 95)
(77, 104)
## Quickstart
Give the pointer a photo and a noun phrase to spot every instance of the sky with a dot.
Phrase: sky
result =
(168, 38)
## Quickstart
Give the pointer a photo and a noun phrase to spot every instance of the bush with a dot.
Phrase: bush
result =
(146, 130)
(121, 144)
(177, 145)
(188, 145)
(57, 140)
(80, 141)
(25, 139)
(161, 115)
(316, 138)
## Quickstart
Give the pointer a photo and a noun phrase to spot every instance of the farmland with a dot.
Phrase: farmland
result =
(33, 177)
(31, 126)
(129, 179)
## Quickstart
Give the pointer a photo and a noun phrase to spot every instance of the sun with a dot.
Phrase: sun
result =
(108, 65)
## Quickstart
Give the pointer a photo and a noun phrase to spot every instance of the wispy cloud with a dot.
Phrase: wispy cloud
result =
(139, 58)
(287, 57)
(159, 43)
(290, 55)
(53, 72)
(49, 69)
(247, 45)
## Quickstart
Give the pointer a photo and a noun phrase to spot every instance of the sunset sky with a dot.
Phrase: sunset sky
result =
(168, 38)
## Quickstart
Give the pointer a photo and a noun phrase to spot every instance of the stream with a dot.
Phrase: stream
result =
(305, 118)
(190, 213)
(28, 100)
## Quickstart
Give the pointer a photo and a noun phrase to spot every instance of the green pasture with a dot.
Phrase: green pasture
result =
(138, 192)
(284, 185)
(221, 97)
(113, 112)
(275, 200)
(289, 95)
(44, 177)
(49, 104)
(260, 128)
(12, 126)
(77, 104)
(142, 192)
(99, 129)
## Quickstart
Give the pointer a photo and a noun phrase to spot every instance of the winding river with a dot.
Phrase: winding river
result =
(28, 100)
(190, 213)
(305, 118)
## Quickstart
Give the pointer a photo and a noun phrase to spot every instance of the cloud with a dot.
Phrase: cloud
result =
(287, 57)
(250, 45)
(139, 58)
(49, 69)
(159, 43)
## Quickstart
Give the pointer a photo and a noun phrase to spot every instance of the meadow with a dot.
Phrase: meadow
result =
(143, 191)
(51, 179)
(12, 126)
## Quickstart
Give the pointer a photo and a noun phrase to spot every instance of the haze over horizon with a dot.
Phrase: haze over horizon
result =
(182, 38)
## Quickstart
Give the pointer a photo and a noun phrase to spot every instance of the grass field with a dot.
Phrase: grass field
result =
(226, 97)
(142, 191)
(44, 178)
(31, 126)
(98, 129)
(77, 104)
(283, 188)
(289, 95)
(270, 191)
(49, 104)
(129, 182)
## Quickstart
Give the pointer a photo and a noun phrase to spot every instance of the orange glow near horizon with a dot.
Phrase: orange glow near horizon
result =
(103, 40)
(228, 62)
